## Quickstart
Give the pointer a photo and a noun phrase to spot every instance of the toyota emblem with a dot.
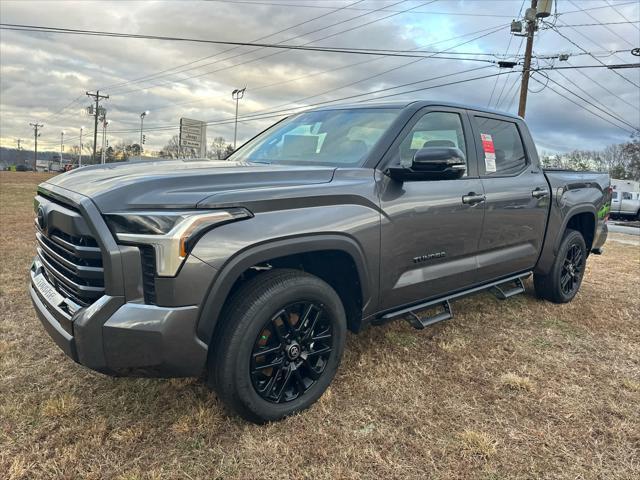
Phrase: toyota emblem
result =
(41, 218)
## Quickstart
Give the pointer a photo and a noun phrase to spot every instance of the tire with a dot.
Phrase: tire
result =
(563, 281)
(267, 314)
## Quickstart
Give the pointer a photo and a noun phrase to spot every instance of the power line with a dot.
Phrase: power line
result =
(31, 28)
(484, 32)
(504, 84)
(385, 9)
(593, 104)
(280, 43)
(601, 24)
(75, 100)
(580, 10)
(390, 70)
(514, 95)
(265, 56)
(604, 26)
(602, 106)
(290, 110)
(283, 112)
(594, 57)
(593, 80)
(583, 107)
(219, 53)
(230, 49)
(615, 9)
(495, 84)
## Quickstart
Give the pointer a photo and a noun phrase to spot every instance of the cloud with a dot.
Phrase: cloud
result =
(42, 73)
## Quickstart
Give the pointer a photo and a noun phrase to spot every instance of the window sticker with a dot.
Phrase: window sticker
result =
(489, 152)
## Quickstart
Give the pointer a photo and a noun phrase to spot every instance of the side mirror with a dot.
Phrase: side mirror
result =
(432, 163)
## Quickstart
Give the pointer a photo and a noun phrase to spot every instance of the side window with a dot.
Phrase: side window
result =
(502, 146)
(434, 129)
(626, 196)
(615, 195)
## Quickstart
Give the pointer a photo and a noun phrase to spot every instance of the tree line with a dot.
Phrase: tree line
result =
(621, 161)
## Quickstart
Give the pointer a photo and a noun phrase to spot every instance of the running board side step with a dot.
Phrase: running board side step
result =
(498, 288)
(420, 323)
(501, 294)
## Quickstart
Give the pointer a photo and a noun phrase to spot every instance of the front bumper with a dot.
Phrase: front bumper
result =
(116, 337)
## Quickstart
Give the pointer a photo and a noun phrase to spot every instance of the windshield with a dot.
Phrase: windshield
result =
(340, 138)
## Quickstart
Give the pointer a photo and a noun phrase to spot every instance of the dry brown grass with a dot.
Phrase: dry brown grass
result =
(515, 389)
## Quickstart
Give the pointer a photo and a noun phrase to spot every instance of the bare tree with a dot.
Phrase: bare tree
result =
(218, 148)
(172, 148)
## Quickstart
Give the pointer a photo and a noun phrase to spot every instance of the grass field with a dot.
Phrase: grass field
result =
(514, 389)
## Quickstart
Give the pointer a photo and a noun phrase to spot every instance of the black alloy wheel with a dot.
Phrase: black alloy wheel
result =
(291, 352)
(279, 345)
(563, 279)
(572, 270)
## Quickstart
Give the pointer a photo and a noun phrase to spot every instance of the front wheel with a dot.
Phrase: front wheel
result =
(562, 283)
(280, 345)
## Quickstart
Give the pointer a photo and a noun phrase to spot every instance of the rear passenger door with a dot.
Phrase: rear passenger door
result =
(517, 196)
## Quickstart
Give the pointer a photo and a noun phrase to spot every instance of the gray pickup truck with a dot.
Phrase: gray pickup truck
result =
(250, 271)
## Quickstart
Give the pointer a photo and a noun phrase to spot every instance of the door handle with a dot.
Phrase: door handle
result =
(540, 192)
(473, 199)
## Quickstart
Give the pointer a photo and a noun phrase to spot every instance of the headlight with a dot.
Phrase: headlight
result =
(171, 234)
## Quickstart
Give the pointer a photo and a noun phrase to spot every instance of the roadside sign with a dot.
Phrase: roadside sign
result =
(193, 137)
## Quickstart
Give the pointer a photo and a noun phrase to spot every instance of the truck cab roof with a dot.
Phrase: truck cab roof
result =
(415, 105)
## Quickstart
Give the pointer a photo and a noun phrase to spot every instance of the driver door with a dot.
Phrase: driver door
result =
(429, 233)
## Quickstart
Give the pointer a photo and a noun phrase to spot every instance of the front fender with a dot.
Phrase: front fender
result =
(352, 227)
(261, 253)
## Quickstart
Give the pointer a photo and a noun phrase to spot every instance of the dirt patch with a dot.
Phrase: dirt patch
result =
(515, 389)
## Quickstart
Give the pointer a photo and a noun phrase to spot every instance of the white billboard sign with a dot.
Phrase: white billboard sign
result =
(193, 137)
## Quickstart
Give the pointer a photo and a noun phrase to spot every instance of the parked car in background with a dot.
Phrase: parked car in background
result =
(625, 201)
(252, 270)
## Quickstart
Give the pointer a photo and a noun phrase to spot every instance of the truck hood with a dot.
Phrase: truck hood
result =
(180, 183)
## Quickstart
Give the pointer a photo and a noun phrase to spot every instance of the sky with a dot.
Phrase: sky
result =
(44, 76)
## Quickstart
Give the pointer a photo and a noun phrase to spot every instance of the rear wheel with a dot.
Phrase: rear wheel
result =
(280, 345)
(562, 283)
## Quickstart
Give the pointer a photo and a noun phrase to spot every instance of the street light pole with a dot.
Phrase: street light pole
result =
(80, 153)
(142, 115)
(105, 122)
(236, 95)
(61, 147)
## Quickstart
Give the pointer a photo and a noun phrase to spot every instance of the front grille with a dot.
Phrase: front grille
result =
(72, 264)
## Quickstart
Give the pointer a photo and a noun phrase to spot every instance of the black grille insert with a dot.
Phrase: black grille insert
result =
(72, 264)
(148, 257)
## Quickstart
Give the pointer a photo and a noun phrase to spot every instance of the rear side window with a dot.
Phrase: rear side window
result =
(627, 196)
(502, 146)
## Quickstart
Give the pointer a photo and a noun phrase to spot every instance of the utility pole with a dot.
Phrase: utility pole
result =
(236, 95)
(19, 161)
(61, 147)
(80, 153)
(532, 22)
(36, 126)
(96, 111)
(105, 122)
